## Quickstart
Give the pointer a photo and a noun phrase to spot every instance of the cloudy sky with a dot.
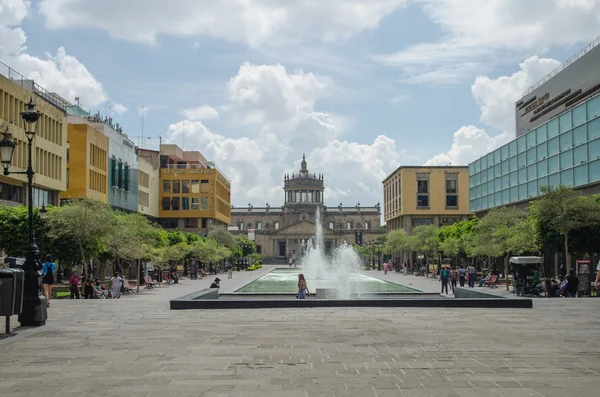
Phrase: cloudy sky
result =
(360, 86)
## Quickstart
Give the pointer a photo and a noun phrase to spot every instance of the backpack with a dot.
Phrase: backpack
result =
(444, 273)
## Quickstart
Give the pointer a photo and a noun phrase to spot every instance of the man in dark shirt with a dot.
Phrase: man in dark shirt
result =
(572, 284)
(215, 283)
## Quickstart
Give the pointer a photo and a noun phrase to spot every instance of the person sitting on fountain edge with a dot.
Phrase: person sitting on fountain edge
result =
(215, 284)
(302, 287)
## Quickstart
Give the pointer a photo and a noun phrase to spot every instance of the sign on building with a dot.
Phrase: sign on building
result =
(251, 234)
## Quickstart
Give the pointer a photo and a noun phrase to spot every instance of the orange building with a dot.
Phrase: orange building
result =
(87, 163)
(194, 195)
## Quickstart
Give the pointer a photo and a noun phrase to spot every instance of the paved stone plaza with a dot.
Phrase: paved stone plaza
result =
(136, 346)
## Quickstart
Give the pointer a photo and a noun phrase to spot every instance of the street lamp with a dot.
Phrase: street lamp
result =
(34, 311)
(43, 214)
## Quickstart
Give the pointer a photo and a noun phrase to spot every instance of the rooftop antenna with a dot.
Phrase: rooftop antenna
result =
(142, 126)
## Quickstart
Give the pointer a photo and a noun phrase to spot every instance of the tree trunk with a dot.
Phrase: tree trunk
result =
(506, 265)
(83, 260)
(567, 255)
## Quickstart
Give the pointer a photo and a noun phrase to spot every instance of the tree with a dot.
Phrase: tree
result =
(424, 240)
(502, 231)
(83, 221)
(564, 210)
(397, 241)
(14, 229)
(222, 236)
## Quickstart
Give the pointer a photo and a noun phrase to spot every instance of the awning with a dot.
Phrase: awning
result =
(526, 260)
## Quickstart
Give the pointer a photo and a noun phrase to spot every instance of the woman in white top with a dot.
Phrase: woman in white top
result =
(115, 286)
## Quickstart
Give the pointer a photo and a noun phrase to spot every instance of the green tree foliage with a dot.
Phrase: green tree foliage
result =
(222, 236)
(85, 221)
(397, 241)
(424, 240)
(14, 229)
(564, 211)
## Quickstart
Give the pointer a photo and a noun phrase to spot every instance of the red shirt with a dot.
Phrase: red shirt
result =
(74, 280)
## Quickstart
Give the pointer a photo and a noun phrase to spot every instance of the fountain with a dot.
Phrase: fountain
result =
(338, 282)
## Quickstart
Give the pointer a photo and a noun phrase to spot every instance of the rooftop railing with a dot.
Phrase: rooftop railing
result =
(32, 86)
(563, 66)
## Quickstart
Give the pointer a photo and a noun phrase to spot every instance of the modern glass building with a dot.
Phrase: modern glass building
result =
(562, 151)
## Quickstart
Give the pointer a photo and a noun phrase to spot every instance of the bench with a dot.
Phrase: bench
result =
(492, 282)
(167, 279)
(148, 282)
(127, 288)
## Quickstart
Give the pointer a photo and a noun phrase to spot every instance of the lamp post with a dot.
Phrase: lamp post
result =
(34, 311)
(43, 214)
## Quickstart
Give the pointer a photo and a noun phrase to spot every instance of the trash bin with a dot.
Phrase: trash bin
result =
(11, 291)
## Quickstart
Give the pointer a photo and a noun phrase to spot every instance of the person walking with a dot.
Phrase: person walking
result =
(302, 287)
(229, 271)
(472, 273)
(572, 284)
(115, 286)
(444, 277)
(48, 271)
(74, 285)
(453, 277)
(462, 273)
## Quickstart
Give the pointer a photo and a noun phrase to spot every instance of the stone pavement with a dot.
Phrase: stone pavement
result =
(136, 346)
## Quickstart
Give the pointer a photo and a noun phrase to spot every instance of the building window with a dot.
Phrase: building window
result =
(452, 200)
(331, 225)
(258, 225)
(423, 201)
(176, 187)
(195, 203)
(68, 178)
(113, 174)
(204, 221)
(203, 186)
(185, 187)
(195, 187)
(451, 186)
(166, 204)
(258, 249)
(191, 223)
(175, 203)
(448, 221)
(367, 225)
(185, 203)
(249, 225)
(349, 225)
(166, 187)
(422, 221)
(276, 225)
(423, 186)
(204, 203)
(126, 177)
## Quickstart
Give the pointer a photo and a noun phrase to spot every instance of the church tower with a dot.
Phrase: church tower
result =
(303, 188)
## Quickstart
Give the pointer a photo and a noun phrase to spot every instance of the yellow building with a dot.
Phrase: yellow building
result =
(194, 195)
(148, 187)
(49, 145)
(87, 162)
(415, 196)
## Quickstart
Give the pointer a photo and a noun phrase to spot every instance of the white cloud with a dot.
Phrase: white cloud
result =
(119, 108)
(277, 110)
(482, 29)
(496, 99)
(196, 45)
(269, 94)
(250, 21)
(61, 73)
(204, 112)
(400, 98)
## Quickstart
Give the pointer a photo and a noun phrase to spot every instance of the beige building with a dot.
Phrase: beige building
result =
(415, 196)
(49, 145)
(279, 230)
(148, 187)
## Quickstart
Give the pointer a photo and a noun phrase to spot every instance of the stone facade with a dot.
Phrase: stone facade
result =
(279, 231)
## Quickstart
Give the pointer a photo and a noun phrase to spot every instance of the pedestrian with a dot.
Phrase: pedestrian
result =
(462, 275)
(302, 287)
(216, 283)
(472, 273)
(572, 284)
(405, 267)
(115, 286)
(453, 277)
(88, 288)
(444, 277)
(74, 285)
(291, 262)
(229, 271)
(48, 270)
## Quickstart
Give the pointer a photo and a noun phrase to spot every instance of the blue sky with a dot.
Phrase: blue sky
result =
(359, 86)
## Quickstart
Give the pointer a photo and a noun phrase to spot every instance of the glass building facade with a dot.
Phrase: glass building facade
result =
(122, 171)
(562, 151)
